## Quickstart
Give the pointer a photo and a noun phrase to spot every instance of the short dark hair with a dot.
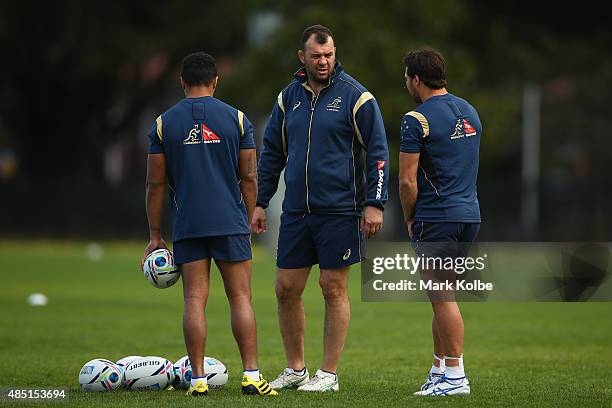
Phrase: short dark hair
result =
(321, 34)
(198, 69)
(429, 65)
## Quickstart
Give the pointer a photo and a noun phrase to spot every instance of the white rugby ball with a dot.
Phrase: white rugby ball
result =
(182, 372)
(216, 372)
(122, 363)
(149, 373)
(100, 375)
(160, 270)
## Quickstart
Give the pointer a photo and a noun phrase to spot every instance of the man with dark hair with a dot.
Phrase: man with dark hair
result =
(439, 151)
(326, 131)
(204, 148)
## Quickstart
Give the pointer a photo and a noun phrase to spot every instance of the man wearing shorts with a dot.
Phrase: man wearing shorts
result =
(439, 151)
(326, 132)
(204, 149)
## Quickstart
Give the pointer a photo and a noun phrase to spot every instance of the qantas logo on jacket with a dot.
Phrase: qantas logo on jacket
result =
(381, 178)
(201, 134)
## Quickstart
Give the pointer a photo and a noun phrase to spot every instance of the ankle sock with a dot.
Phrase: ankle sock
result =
(195, 380)
(437, 370)
(252, 374)
(454, 371)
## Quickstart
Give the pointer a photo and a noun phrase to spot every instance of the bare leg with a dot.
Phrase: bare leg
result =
(195, 294)
(290, 284)
(450, 329)
(237, 282)
(334, 284)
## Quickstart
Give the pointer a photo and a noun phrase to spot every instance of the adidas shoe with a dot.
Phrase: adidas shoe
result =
(430, 382)
(261, 387)
(321, 382)
(289, 379)
(198, 390)
(449, 386)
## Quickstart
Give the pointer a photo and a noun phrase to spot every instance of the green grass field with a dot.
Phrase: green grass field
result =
(516, 354)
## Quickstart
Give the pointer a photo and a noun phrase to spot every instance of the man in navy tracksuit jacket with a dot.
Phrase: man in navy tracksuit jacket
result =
(326, 132)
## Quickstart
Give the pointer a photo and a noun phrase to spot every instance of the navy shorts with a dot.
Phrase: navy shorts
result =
(332, 241)
(222, 248)
(437, 241)
(452, 239)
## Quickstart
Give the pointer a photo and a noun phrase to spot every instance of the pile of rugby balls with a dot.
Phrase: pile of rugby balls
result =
(147, 373)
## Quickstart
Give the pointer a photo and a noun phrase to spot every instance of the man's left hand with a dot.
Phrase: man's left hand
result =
(153, 245)
(371, 221)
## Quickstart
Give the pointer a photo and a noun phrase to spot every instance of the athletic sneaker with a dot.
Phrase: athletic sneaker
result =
(321, 382)
(289, 379)
(448, 386)
(198, 390)
(261, 387)
(430, 382)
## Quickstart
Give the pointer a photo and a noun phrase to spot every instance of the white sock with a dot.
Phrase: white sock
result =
(455, 371)
(194, 380)
(252, 374)
(437, 370)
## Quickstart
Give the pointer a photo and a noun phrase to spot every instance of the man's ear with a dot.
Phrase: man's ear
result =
(183, 85)
(215, 82)
(302, 57)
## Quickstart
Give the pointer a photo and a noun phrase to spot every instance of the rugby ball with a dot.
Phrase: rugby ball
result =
(149, 373)
(100, 375)
(182, 372)
(160, 270)
(216, 373)
(123, 363)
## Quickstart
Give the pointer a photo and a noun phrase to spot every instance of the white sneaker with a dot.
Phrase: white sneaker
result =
(449, 386)
(321, 382)
(289, 379)
(430, 382)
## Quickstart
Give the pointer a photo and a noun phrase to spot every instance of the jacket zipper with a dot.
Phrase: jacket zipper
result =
(313, 104)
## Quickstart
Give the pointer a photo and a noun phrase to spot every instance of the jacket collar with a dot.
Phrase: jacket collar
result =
(302, 77)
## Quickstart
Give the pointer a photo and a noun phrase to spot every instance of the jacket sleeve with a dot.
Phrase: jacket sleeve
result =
(370, 131)
(273, 155)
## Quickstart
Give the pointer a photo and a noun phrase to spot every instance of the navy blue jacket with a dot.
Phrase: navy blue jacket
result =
(333, 148)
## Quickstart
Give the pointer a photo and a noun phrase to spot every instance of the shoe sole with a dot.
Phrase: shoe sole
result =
(252, 390)
(458, 394)
(198, 394)
(335, 388)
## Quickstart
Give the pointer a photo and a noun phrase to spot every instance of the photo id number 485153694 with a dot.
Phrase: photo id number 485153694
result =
(13, 394)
